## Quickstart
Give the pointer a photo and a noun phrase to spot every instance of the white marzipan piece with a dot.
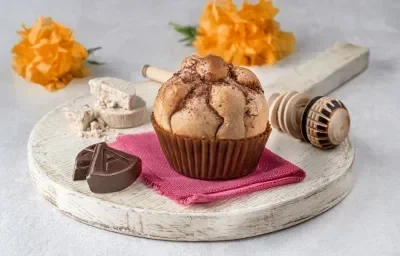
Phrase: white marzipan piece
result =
(113, 92)
(324, 73)
(120, 118)
(79, 118)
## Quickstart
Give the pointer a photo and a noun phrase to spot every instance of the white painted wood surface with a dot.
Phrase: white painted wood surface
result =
(139, 211)
(325, 72)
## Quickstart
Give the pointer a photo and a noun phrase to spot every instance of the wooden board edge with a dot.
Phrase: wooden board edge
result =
(262, 221)
(136, 222)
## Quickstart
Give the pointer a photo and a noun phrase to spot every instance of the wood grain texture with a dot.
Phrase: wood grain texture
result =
(325, 72)
(139, 211)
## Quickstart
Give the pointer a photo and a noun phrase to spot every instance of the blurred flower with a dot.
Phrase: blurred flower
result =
(248, 36)
(49, 55)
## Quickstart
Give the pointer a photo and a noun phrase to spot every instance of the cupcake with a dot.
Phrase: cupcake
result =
(211, 119)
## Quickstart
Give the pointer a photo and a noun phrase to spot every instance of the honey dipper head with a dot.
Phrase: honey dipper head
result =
(325, 122)
(209, 98)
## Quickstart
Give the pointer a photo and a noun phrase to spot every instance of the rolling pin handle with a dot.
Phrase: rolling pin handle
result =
(156, 74)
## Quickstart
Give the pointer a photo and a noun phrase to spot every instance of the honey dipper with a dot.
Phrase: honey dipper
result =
(321, 121)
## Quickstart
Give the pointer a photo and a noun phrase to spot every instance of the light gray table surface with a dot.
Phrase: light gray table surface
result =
(133, 33)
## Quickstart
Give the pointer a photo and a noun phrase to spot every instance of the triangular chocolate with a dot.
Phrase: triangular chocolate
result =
(83, 161)
(112, 170)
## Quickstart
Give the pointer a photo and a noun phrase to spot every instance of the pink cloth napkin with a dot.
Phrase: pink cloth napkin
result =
(272, 171)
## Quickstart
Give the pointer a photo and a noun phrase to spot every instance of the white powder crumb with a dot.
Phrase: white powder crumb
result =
(80, 118)
(85, 122)
(95, 126)
(105, 138)
(96, 129)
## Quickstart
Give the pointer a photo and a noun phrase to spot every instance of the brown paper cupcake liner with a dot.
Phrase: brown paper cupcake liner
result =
(211, 159)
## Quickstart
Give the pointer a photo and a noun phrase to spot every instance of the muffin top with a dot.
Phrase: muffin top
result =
(209, 98)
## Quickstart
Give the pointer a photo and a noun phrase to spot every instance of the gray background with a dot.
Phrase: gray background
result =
(133, 33)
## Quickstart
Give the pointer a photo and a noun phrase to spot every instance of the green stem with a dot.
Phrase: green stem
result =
(189, 33)
(93, 62)
(92, 50)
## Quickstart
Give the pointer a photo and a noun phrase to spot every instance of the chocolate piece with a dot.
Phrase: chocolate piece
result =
(82, 163)
(112, 170)
(106, 169)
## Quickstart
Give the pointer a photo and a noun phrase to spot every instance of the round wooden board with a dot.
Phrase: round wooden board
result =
(139, 211)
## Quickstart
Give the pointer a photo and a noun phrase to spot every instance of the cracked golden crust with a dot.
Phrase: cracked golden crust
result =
(170, 95)
(209, 98)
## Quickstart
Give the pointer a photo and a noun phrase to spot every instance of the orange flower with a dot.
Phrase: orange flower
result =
(49, 55)
(248, 36)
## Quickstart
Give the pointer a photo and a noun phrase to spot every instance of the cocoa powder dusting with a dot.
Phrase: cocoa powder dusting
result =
(202, 86)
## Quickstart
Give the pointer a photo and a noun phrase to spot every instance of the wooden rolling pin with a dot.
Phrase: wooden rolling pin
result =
(156, 74)
(296, 105)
